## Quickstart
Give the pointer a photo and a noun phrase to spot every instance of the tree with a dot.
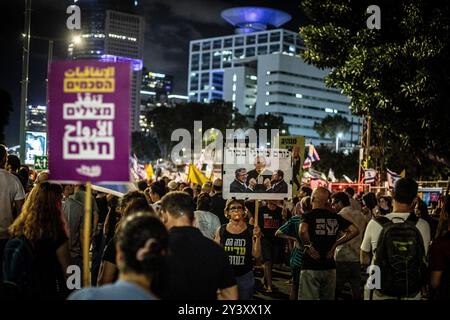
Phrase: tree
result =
(398, 75)
(5, 109)
(332, 125)
(144, 146)
(217, 114)
(338, 161)
(270, 121)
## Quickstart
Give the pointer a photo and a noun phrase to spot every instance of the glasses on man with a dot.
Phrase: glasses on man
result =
(236, 208)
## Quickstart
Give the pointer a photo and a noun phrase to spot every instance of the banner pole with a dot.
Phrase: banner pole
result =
(87, 235)
(256, 211)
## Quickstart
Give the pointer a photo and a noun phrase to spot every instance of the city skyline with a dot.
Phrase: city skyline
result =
(170, 25)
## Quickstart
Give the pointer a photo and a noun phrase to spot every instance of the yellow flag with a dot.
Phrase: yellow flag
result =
(196, 176)
(403, 173)
(149, 170)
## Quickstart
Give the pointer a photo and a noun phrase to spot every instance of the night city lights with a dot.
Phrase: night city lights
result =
(198, 152)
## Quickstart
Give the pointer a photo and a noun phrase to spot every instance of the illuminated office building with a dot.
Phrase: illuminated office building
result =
(156, 91)
(112, 31)
(260, 71)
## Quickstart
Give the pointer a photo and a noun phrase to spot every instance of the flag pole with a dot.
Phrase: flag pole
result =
(87, 235)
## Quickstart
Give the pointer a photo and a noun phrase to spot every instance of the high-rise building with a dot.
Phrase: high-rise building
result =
(156, 91)
(111, 31)
(260, 71)
(36, 118)
(156, 86)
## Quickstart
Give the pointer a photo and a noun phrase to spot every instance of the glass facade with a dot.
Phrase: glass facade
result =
(209, 57)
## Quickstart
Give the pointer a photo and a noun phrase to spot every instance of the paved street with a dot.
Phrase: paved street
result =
(281, 287)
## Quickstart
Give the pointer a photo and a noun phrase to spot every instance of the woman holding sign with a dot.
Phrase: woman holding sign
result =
(242, 242)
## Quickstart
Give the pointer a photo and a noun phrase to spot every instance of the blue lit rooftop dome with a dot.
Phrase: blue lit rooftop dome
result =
(253, 19)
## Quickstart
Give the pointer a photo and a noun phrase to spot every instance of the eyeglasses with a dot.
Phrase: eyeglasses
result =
(236, 208)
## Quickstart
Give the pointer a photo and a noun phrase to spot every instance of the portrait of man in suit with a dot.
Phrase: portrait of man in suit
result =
(277, 183)
(258, 179)
(239, 184)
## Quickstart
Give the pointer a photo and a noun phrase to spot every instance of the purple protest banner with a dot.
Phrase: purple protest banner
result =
(88, 121)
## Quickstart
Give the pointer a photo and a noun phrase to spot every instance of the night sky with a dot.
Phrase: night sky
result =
(170, 25)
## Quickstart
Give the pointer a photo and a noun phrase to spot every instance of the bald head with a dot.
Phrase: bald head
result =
(320, 198)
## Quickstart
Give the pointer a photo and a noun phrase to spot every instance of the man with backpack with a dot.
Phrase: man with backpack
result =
(396, 245)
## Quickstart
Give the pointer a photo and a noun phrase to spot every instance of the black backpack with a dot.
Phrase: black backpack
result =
(400, 255)
(18, 271)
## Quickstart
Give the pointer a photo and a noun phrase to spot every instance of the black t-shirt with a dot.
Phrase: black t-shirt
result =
(48, 273)
(114, 218)
(269, 221)
(323, 229)
(440, 261)
(110, 251)
(109, 254)
(239, 249)
(102, 205)
(217, 206)
(196, 267)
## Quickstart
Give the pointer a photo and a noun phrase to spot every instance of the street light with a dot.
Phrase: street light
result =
(77, 39)
(339, 135)
(25, 77)
(24, 82)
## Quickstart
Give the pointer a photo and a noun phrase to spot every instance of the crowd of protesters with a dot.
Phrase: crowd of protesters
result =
(176, 240)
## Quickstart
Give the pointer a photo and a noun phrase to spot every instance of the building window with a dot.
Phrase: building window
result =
(204, 97)
(238, 41)
(195, 47)
(274, 48)
(206, 45)
(195, 57)
(217, 78)
(262, 38)
(216, 96)
(262, 50)
(217, 44)
(239, 53)
(216, 60)
(289, 38)
(228, 42)
(288, 48)
(206, 57)
(193, 96)
(194, 86)
(275, 36)
(226, 58)
(251, 40)
(250, 52)
(205, 76)
(194, 66)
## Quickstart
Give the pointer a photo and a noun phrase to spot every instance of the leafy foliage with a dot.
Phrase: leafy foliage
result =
(270, 121)
(338, 161)
(218, 114)
(332, 125)
(397, 75)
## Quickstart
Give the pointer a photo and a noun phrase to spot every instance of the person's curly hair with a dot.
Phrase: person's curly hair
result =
(41, 216)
